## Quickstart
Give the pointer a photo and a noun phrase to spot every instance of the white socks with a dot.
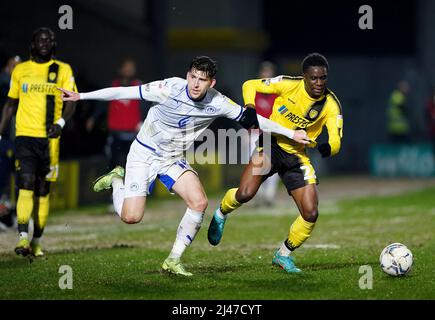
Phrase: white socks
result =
(284, 251)
(24, 235)
(118, 194)
(186, 232)
(220, 214)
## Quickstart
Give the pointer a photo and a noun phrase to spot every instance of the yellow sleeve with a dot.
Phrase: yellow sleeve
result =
(68, 81)
(334, 125)
(14, 90)
(276, 85)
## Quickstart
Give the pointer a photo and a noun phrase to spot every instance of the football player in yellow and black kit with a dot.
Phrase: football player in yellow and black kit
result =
(302, 103)
(40, 117)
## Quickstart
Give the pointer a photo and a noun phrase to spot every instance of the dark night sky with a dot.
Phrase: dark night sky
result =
(332, 27)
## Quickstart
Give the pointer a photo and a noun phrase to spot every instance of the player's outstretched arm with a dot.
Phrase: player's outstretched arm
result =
(69, 95)
(251, 119)
(155, 91)
(107, 94)
(299, 136)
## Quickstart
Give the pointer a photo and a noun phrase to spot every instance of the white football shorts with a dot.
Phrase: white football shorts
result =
(144, 166)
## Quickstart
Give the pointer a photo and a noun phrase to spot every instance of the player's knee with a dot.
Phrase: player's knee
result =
(133, 210)
(199, 204)
(310, 214)
(131, 218)
(245, 194)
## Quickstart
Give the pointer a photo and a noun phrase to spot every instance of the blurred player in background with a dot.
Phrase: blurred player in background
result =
(124, 117)
(7, 209)
(430, 118)
(263, 106)
(40, 117)
(302, 103)
(398, 126)
(182, 110)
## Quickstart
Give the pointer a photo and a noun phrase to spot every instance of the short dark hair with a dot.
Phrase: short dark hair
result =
(314, 60)
(39, 31)
(204, 64)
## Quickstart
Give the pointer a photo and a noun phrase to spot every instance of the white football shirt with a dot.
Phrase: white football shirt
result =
(172, 125)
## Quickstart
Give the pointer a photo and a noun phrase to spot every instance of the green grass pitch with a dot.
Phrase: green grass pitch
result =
(112, 260)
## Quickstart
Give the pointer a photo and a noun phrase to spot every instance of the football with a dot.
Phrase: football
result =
(396, 259)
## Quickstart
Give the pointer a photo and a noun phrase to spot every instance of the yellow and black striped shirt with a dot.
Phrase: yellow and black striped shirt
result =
(40, 103)
(295, 109)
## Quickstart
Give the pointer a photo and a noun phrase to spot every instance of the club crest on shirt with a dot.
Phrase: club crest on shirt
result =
(313, 114)
(210, 110)
(52, 76)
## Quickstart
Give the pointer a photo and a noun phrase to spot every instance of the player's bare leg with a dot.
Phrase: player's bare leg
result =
(189, 188)
(306, 199)
(252, 177)
(133, 209)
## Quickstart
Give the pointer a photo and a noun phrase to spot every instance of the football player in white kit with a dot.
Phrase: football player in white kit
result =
(182, 109)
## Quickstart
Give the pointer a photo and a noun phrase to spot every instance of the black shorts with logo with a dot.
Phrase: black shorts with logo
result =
(32, 156)
(295, 170)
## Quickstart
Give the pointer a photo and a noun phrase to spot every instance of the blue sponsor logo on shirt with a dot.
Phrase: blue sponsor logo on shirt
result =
(25, 87)
(282, 109)
(182, 123)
